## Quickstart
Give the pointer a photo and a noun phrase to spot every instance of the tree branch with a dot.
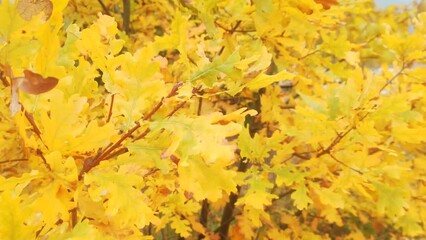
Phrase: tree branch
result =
(104, 8)
(109, 151)
(228, 211)
(126, 16)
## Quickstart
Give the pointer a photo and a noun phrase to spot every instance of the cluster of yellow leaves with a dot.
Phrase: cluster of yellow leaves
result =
(146, 133)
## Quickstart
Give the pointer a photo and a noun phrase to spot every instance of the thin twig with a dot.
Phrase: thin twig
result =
(200, 105)
(230, 31)
(104, 8)
(392, 79)
(189, 6)
(40, 154)
(90, 163)
(309, 54)
(176, 109)
(14, 160)
(116, 153)
(73, 213)
(36, 130)
(142, 135)
(234, 29)
(154, 110)
(3, 79)
(335, 141)
(344, 164)
(110, 108)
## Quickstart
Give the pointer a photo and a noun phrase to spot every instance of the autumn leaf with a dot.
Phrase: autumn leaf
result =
(29, 8)
(300, 197)
(327, 3)
(34, 83)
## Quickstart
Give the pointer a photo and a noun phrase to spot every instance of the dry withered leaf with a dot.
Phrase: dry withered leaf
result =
(34, 83)
(29, 8)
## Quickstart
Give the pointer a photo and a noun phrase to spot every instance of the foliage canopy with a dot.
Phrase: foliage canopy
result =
(266, 119)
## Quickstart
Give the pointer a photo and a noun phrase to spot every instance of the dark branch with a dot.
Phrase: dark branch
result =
(126, 16)
(104, 8)
(228, 211)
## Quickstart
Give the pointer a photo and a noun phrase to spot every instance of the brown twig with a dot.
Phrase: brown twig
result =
(92, 162)
(14, 160)
(73, 213)
(154, 110)
(335, 141)
(142, 135)
(309, 54)
(36, 130)
(104, 8)
(231, 31)
(116, 153)
(110, 108)
(3, 79)
(189, 6)
(30, 119)
(126, 16)
(234, 29)
(40, 154)
(344, 164)
(392, 79)
(176, 109)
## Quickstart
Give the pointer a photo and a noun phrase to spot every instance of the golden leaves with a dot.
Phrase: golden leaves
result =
(311, 107)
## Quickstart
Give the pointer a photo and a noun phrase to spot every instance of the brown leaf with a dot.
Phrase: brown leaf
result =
(34, 83)
(326, 4)
(29, 8)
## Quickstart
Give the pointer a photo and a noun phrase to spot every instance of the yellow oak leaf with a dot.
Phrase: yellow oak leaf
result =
(300, 197)
(205, 180)
(409, 135)
(258, 195)
(121, 197)
(64, 129)
(10, 19)
(181, 226)
(263, 80)
(13, 218)
(81, 230)
(392, 200)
